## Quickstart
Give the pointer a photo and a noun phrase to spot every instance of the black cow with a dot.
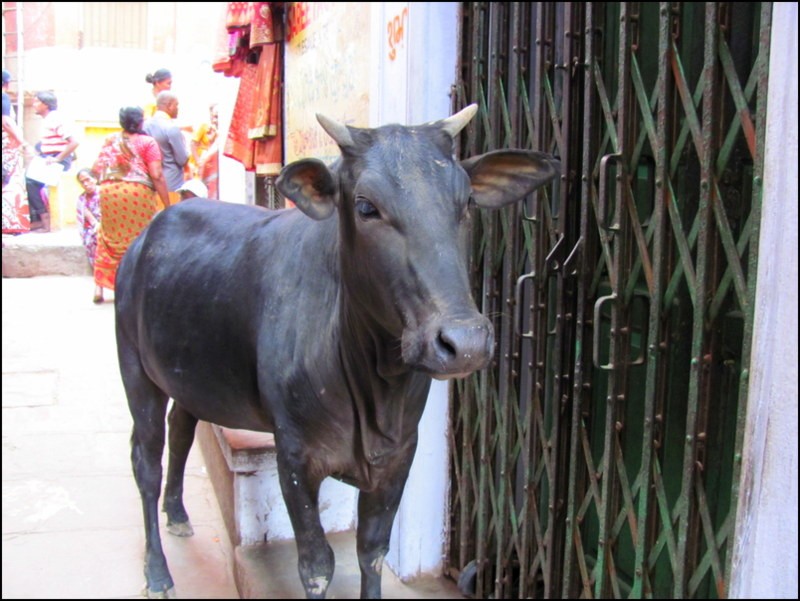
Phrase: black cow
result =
(323, 325)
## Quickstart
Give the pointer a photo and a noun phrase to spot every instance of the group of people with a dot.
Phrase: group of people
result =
(142, 169)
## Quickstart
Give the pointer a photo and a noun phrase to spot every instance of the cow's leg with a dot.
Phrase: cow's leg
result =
(376, 511)
(148, 406)
(315, 560)
(181, 435)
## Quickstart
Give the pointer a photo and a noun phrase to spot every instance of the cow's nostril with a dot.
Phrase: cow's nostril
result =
(461, 346)
(445, 344)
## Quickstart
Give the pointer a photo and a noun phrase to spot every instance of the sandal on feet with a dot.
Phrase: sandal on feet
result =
(98, 296)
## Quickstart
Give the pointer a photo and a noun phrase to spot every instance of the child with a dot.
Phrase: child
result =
(88, 208)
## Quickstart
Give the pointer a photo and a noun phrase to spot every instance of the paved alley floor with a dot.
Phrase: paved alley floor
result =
(72, 519)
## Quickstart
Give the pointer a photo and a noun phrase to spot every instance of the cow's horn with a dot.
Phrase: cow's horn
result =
(337, 131)
(453, 125)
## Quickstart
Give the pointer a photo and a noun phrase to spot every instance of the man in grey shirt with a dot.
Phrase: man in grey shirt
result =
(174, 152)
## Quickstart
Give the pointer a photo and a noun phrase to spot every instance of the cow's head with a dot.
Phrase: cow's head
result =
(402, 201)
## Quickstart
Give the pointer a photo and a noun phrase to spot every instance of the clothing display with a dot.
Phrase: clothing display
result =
(253, 53)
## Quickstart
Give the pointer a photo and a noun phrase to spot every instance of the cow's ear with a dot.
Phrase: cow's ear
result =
(505, 176)
(310, 185)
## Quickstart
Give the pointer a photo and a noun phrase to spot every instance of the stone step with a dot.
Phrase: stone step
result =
(270, 572)
(243, 468)
(59, 252)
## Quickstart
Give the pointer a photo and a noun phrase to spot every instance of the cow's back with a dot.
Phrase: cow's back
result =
(205, 290)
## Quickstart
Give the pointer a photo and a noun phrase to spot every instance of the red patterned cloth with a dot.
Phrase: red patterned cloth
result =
(238, 146)
(298, 18)
(248, 25)
(266, 127)
(239, 14)
(261, 28)
(231, 53)
(127, 208)
(127, 157)
(16, 213)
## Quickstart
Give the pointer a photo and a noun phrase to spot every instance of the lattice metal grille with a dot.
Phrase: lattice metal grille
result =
(596, 457)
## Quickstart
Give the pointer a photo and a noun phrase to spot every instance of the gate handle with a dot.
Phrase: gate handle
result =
(603, 193)
(598, 305)
(569, 262)
(596, 340)
(555, 258)
(518, 303)
(646, 298)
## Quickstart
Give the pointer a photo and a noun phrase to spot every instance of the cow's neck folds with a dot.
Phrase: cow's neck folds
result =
(388, 397)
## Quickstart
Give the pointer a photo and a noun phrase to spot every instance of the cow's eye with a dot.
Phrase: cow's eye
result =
(367, 210)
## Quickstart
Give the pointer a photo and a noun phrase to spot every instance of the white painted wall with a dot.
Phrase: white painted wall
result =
(261, 514)
(412, 75)
(409, 81)
(765, 553)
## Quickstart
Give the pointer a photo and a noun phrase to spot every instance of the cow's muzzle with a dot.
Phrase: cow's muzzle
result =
(451, 348)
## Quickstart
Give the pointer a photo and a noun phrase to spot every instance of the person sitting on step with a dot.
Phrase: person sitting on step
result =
(57, 145)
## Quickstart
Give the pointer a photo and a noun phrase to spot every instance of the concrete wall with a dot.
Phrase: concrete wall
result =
(328, 59)
(765, 555)
(415, 51)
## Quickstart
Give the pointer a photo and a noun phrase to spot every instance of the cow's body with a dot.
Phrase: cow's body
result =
(325, 331)
(237, 311)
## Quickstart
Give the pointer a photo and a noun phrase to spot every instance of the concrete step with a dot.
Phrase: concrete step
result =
(242, 466)
(270, 572)
(59, 252)
(244, 469)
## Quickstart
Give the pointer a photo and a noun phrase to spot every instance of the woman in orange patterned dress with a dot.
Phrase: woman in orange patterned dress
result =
(129, 172)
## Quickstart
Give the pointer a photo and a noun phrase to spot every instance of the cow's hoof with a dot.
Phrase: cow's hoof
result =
(166, 593)
(180, 529)
(468, 580)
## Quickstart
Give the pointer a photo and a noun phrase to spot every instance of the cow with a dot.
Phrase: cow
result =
(323, 323)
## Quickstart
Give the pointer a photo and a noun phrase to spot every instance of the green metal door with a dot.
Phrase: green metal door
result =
(598, 456)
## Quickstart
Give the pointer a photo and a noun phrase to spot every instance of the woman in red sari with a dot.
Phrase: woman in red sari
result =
(129, 172)
(16, 217)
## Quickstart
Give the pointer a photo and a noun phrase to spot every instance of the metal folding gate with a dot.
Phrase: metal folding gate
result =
(598, 456)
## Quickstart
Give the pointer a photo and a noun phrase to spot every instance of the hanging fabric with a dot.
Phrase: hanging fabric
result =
(252, 52)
